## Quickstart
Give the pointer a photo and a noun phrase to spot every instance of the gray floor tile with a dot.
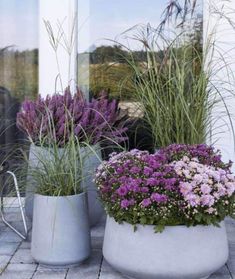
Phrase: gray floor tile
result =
(25, 245)
(7, 248)
(89, 269)
(107, 272)
(9, 236)
(19, 271)
(97, 242)
(4, 260)
(22, 256)
(48, 273)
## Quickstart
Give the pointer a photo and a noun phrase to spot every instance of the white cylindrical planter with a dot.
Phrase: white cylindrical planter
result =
(90, 163)
(61, 232)
(178, 252)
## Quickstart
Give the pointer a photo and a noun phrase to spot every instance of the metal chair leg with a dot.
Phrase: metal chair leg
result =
(21, 210)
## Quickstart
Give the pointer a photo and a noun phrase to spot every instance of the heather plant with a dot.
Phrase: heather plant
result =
(55, 118)
(142, 188)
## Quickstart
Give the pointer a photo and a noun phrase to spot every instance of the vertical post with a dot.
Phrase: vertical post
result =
(57, 70)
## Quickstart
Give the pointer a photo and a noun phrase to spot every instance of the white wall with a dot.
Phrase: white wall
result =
(63, 11)
(216, 23)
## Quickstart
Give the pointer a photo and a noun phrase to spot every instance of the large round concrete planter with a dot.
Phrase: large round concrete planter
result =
(177, 253)
(61, 231)
(91, 162)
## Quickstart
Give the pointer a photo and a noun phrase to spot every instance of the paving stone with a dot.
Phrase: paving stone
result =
(22, 256)
(2, 228)
(13, 216)
(107, 272)
(10, 236)
(50, 273)
(25, 245)
(7, 248)
(87, 270)
(97, 242)
(4, 260)
(231, 265)
(19, 271)
(98, 231)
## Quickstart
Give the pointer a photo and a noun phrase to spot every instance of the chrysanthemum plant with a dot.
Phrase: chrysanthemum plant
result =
(179, 185)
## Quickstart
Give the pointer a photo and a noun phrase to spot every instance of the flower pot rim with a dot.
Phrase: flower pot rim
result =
(60, 197)
(166, 226)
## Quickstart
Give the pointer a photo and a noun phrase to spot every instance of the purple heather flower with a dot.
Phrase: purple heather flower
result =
(93, 120)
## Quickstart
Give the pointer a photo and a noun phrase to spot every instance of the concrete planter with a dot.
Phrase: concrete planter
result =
(91, 162)
(177, 253)
(61, 233)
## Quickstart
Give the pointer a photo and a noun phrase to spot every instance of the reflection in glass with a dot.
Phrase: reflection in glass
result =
(114, 28)
(18, 65)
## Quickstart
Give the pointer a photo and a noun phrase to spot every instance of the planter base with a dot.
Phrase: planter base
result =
(185, 253)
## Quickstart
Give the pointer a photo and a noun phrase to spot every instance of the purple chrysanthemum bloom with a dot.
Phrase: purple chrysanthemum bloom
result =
(135, 170)
(148, 171)
(122, 191)
(151, 181)
(144, 189)
(160, 198)
(207, 200)
(125, 203)
(146, 202)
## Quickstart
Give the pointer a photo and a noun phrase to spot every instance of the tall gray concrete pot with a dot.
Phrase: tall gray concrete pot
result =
(61, 231)
(178, 252)
(91, 162)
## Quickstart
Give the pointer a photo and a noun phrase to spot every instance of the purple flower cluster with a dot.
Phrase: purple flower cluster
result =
(138, 187)
(206, 155)
(203, 187)
(56, 117)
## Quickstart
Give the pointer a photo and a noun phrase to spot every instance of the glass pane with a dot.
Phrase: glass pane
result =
(18, 65)
(112, 27)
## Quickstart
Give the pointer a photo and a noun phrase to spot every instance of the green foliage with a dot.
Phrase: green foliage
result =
(59, 170)
(176, 93)
(113, 78)
(19, 73)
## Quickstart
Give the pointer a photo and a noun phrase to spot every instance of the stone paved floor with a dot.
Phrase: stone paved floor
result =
(16, 261)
